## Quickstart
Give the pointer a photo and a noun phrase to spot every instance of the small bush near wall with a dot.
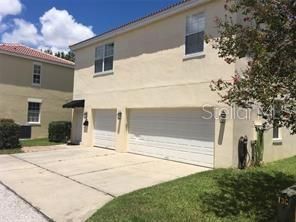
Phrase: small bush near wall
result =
(9, 134)
(59, 131)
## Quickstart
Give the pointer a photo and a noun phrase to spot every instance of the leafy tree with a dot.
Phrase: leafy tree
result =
(68, 56)
(265, 35)
(48, 51)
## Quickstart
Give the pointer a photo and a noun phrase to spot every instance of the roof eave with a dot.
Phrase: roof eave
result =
(37, 59)
(177, 9)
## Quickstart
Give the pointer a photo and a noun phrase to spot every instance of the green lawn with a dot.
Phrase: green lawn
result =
(29, 143)
(37, 142)
(218, 195)
(10, 151)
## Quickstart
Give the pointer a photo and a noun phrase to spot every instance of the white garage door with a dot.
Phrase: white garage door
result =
(104, 129)
(175, 134)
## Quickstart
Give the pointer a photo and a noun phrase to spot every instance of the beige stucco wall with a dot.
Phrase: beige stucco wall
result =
(16, 88)
(223, 138)
(279, 150)
(150, 72)
(148, 63)
(245, 126)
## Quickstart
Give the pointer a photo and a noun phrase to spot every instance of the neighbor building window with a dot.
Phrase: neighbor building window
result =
(36, 74)
(34, 112)
(276, 114)
(194, 41)
(104, 58)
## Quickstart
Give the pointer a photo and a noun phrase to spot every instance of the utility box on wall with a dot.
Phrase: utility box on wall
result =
(25, 132)
(287, 205)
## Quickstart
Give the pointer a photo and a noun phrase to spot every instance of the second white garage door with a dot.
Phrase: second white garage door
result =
(104, 129)
(175, 134)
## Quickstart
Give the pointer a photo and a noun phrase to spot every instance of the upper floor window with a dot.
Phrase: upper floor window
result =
(195, 30)
(104, 58)
(36, 74)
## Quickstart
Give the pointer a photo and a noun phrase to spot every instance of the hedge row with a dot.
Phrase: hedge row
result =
(59, 131)
(9, 134)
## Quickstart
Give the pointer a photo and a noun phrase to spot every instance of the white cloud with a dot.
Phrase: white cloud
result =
(58, 30)
(23, 32)
(9, 7)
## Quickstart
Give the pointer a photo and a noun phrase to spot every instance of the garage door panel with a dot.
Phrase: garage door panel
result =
(203, 148)
(192, 158)
(177, 134)
(104, 129)
(173, 129)
(176, 144)
(182, 133)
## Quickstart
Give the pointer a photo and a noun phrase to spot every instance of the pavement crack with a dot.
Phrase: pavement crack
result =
(67, 177)
(110, 168)
(65, 160)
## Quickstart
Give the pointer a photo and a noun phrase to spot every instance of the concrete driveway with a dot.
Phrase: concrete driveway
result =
(70, 184)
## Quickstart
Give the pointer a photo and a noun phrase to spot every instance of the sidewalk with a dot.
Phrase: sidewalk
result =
(13, 208)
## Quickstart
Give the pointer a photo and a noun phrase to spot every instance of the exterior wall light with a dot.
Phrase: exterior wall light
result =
(85, 123)
(85, 115)
(222, 116)
(119, 115)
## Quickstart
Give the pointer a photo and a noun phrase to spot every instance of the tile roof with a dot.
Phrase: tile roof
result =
(137, 20)
(22, 50)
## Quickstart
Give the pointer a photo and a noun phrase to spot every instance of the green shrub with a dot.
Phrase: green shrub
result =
(59, 131)
(9, 134)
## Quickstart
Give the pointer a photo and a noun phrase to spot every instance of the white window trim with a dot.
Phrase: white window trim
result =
(103, 65)
(39, 64)
(197, 54)
(279, 139)
(109, 72)
(34, 100)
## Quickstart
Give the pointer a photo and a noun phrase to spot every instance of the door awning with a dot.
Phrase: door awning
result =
(74, 104)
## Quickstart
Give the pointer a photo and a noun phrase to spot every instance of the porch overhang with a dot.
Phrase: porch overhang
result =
(74, 104)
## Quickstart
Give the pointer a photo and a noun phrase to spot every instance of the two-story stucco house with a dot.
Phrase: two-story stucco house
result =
(33, 88)
(144, 88)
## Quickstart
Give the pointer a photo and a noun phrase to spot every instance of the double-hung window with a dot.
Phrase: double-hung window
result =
(276, 113)
(36, 74)
(34, 112)
(195, 31)
(104, 58)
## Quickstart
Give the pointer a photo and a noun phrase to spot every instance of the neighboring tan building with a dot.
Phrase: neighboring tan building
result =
(145, 89)
(33, 87)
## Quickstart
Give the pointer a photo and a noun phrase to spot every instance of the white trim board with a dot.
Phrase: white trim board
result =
(34, 100)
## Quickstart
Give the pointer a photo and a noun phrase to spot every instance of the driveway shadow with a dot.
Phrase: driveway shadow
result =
(252, 193)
